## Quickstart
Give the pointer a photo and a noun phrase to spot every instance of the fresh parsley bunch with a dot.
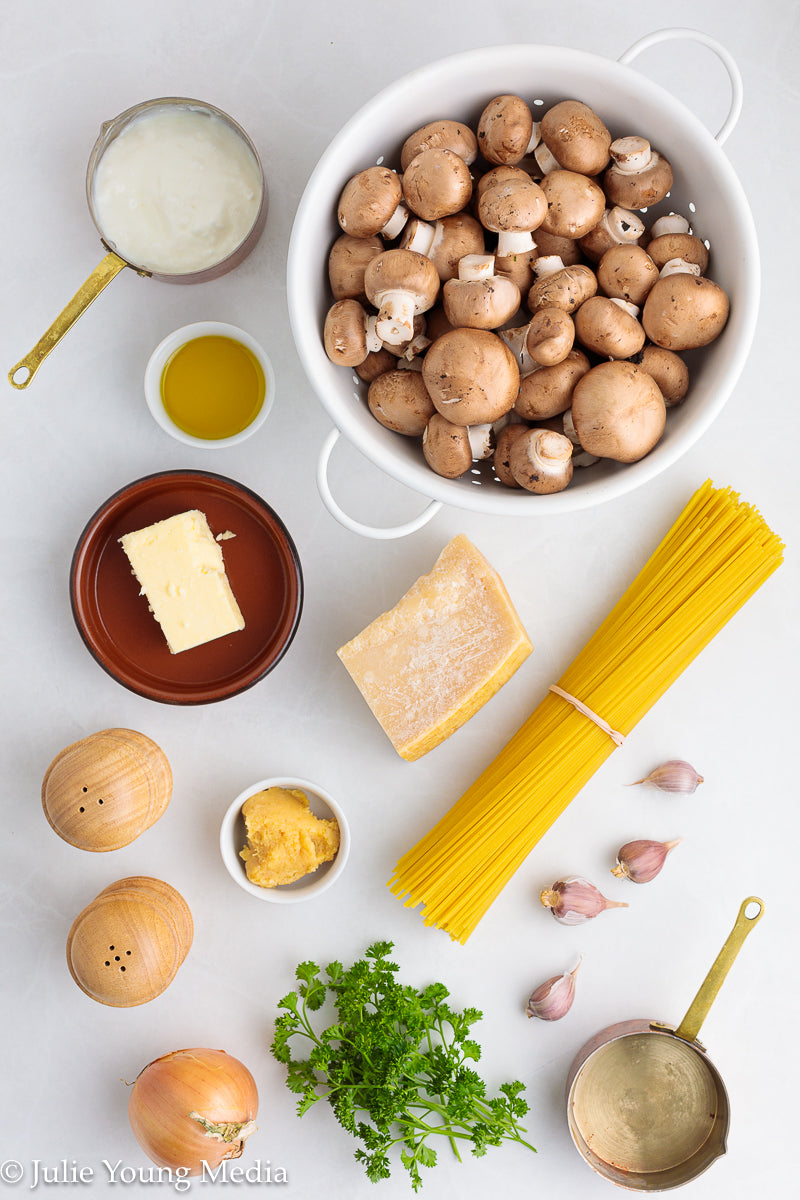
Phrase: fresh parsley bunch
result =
(395, 1066)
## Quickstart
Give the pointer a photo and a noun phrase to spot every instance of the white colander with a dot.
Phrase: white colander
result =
(705, 189)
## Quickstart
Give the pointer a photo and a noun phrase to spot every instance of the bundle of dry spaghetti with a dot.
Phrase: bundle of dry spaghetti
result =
(715, 556)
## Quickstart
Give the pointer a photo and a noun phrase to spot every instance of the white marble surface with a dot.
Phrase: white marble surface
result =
(292, 75)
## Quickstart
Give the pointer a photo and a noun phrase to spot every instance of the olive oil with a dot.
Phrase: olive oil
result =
(212, 387)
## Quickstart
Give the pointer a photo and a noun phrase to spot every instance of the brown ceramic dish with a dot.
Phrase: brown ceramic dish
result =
(119, 630)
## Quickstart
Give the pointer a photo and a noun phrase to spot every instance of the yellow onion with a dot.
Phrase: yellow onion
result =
(193, 1107)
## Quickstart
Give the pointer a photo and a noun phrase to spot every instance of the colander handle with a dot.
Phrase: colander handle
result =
(381, 533)
(727, 60)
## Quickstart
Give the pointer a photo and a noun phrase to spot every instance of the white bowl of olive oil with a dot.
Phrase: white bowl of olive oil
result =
(209, 384)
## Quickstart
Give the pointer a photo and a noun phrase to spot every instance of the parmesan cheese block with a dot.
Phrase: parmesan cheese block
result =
(181, 571)
(428, 664)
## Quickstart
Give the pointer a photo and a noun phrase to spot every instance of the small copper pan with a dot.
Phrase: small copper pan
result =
(646, 1107)
(110, 266)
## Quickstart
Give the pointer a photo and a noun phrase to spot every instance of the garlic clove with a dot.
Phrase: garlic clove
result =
(673, 776)
(574, 900)
(642, 860)
(552, 999)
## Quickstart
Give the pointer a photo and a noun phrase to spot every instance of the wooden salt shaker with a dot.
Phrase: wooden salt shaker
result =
(100, 793)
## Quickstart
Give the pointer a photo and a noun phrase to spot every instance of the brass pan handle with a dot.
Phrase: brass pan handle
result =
(698, 1009)
(102, 275)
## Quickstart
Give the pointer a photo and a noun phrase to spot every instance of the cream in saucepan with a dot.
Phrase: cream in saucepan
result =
(177, 191)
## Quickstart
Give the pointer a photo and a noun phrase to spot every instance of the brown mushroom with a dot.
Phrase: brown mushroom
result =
(505, 440)
(639, 176)
(349, 333)
(450, 449)
(479, 299)
(347, 263)
(627, 272)
(518, 268)
(502, 173)
(664, 247)
(575, 204)
(609, 327)
(550, 335)
(437, 322)
(445, 242)
(399, 400)
(550, 246)
(547, 391)
(669, 371)
(375, 364)
(441, 135)
(436, 183)
(576, 137)
(683, 311)
(505, 130)
(617, 226)
(512, 210)
(446, 447)
(472, 376)
(541, 461)
(401, 284)
(559, 286)
(618, 411)
(370, 203)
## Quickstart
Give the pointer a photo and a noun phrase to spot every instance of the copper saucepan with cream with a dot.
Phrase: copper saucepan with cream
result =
(646, 1107)
(177, 192)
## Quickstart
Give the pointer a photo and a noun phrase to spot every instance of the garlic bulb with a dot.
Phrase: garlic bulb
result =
(574, 900)
(642, 860)
(673, 776)
(553, 999)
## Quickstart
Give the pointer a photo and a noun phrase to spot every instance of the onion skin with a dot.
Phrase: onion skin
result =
(193, 1107)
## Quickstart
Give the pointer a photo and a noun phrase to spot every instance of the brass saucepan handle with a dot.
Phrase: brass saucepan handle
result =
(698, 1009)
(102, 275)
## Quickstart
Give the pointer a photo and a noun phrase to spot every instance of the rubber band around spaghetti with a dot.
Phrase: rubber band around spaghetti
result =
(616, 737)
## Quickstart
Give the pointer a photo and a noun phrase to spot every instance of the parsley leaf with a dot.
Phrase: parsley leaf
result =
(395, 1066)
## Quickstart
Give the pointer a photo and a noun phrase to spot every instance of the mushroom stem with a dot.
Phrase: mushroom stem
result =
(514, 241)
(517, 341)
(548, 264)
(545, 159)
(671, 223)
(416, 346)
(481, 441)
(474, 267)
(679, 266)
(395, 321)
(394, 225)
(631, 154)
(418, 236)
(622, 225)
(631, 309)
(373, 340)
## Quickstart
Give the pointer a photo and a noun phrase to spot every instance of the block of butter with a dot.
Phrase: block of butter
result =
(181, 571)
(428, 664)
